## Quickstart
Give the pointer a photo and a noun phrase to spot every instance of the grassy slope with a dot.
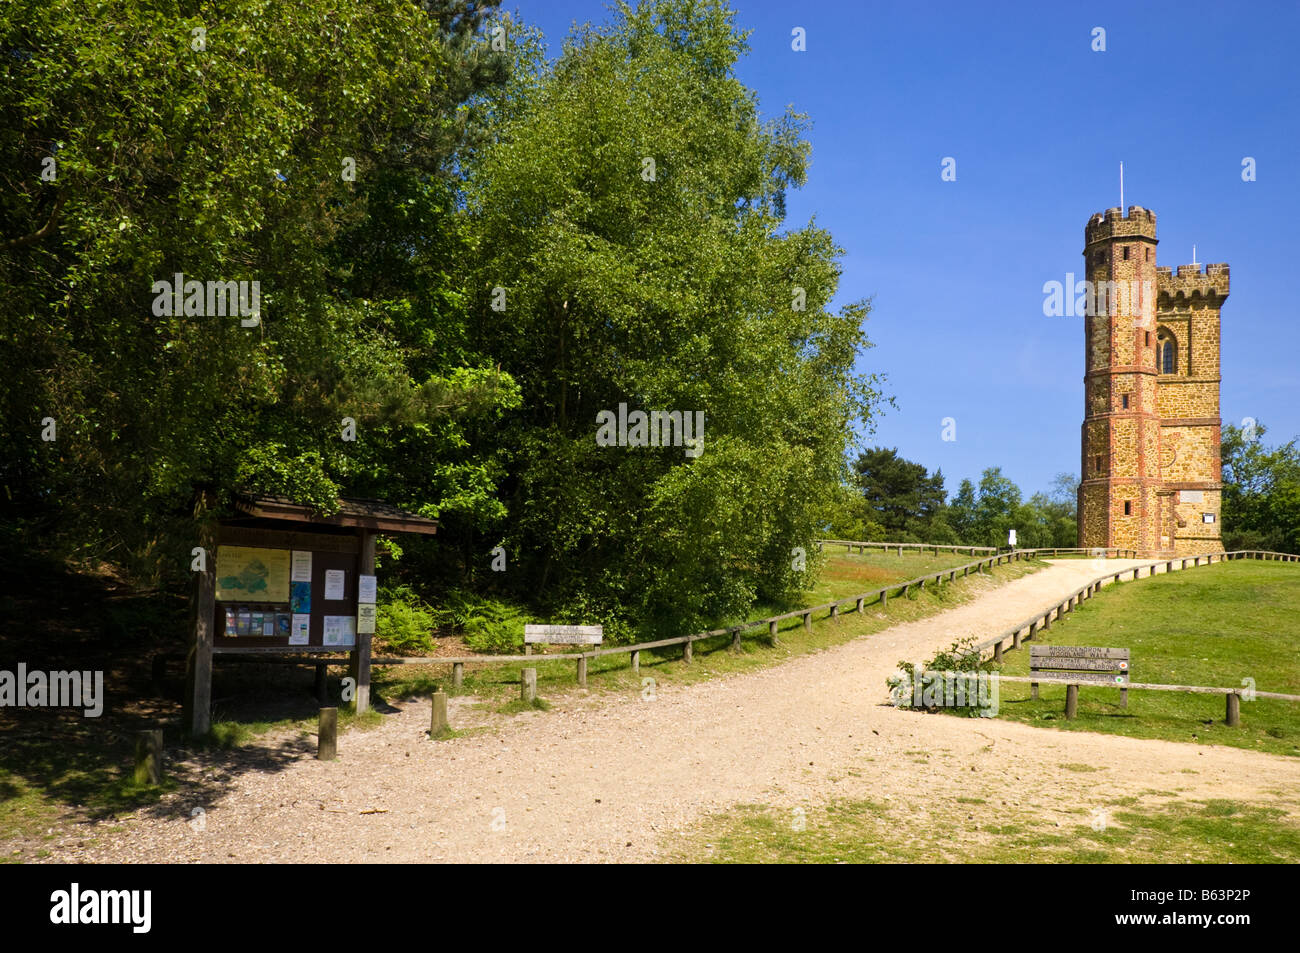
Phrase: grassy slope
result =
(844, 576)
(1209, 626)
(49, 776)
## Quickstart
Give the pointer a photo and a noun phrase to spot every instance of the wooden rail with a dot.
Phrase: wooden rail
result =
(1041, 621)
(771, 623)
(851, 544)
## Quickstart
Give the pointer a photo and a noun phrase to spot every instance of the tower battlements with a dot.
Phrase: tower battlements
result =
(1191, 282)
(1150, 475)
(1138, 223)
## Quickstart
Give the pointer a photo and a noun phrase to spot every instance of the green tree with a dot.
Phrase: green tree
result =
(627, 222)
(222, 145)
(1261, 491)
(995, 509)
(961, 511)
(904, 496)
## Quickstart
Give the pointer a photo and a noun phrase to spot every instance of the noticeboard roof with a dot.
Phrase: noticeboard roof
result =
(360, 514)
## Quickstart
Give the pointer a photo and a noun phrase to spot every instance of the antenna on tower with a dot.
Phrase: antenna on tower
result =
(1193, 254)
(1121, 188)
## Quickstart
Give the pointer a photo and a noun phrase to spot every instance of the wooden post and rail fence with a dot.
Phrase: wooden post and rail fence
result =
(1014, 635)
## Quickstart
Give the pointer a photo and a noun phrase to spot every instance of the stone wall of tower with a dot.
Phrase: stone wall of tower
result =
(1120, 500)
(1188, 313)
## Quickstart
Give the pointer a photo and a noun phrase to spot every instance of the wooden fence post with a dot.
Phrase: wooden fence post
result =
(438, 717)
(997, 651)
(148, 756)
(327, 735)
(735, 640)
(807, 620)
(1071, 701)
(528, 685)
(636, 662)
(771, 631)
(860, 601)
(687, 652)
(582, 668)
(1233, 718)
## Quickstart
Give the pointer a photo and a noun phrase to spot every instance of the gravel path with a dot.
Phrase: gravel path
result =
(611, 777)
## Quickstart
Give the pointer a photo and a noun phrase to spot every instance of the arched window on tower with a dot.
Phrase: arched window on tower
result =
(1167, 353)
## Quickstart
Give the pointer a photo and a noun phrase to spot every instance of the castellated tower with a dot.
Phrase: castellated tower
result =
(1150, 462)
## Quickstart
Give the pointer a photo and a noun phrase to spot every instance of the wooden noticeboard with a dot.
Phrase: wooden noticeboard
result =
(241, 588)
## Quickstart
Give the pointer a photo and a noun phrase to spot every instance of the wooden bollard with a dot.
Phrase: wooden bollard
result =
(582, 669)
(636, 662)
(528, 685)
(327, 735)
(457, 674)
(1071, 701)
(148, 756)
(688, 651)
(438, 718)
(1233, 718)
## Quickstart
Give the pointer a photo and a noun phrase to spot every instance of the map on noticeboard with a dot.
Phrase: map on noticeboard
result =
(247, 574)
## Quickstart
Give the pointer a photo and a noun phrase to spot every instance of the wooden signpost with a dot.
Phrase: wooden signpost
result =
(1076, 664)
(565, 635)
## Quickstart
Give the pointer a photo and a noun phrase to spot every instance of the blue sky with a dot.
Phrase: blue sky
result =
(1038, 123)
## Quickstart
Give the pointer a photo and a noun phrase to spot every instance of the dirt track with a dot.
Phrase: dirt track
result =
(611, 777)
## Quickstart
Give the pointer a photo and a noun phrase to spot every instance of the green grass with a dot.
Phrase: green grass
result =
(1211, 626)
(48, 777)
(844, 576)
(962, 831)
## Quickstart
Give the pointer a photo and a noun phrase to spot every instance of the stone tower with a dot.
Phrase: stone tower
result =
(1150, 463)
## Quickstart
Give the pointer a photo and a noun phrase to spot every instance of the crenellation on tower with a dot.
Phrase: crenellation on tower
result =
(1190, 282)
(1150, 438)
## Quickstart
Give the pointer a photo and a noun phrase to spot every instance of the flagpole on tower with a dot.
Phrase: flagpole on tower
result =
(1121, 188)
